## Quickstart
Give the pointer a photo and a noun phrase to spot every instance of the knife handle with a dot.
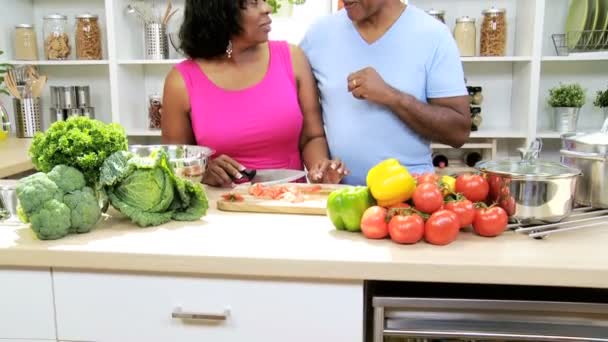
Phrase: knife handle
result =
(248, 175)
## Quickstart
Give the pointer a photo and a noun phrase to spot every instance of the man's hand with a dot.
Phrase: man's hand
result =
(328, 172)
(367, 84)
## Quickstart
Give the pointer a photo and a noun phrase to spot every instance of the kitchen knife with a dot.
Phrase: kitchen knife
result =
(270, 176)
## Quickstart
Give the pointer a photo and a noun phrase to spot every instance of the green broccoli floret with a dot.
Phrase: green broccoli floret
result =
(85, 210)
(35, 190)
(58, 203)
(67, 178)
(52, 221)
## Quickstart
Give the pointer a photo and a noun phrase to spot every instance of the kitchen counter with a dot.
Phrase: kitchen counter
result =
(294, 246)
(14, 156)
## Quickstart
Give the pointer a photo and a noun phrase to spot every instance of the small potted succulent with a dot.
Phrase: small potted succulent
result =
(601, 100)
(566, 100)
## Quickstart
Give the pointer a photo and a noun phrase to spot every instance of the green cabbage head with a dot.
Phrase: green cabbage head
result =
(146, 189)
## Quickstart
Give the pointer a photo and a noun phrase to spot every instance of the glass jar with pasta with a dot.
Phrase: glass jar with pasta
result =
(493, 37)
(56, 40)
(88, 37)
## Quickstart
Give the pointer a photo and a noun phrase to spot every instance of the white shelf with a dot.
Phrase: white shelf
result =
(149, 61)
(144, 132)
(549, 135)
(498, 133)
(60, 63)
(496, 59)
(576, 58)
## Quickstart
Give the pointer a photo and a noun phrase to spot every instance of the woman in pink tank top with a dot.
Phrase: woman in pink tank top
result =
(252, 100)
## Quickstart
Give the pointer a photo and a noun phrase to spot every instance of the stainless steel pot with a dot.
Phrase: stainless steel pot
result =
(531, 190)
(589, 153)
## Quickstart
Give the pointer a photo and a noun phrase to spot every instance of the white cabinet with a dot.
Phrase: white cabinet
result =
(112, 307)
(26, 305)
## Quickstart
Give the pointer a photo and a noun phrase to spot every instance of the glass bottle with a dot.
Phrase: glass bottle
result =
(88, 37)
(493, 40)
(466, 36)
(56, 39)
(26, 46)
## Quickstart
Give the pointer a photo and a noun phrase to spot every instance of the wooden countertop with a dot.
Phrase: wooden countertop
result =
(14, 156)
(294, 246)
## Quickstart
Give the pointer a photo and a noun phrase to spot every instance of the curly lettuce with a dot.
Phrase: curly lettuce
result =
(79, 142)
(146, 190)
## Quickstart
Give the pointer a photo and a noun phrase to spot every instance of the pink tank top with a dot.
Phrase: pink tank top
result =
(259, 126)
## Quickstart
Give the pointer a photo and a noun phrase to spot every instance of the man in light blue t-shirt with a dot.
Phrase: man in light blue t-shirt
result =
(390, 81)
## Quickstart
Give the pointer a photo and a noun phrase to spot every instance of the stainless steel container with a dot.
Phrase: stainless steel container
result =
(83, 96)
(589, 153)
(57, 114)
(70, 100)
(565, 119)
(27, 117)
(89, 112)
(531, 190)
(57, 97)
(155, 40)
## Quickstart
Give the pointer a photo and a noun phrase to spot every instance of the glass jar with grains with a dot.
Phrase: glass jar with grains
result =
(88, 37)
(465, 35)
(56, 39)
(26, 46)
(493, 40)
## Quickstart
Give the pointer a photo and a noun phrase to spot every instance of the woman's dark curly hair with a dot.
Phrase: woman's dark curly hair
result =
(208, 26)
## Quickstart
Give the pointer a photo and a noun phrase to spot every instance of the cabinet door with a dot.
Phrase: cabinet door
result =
(118, 308)
(26, 304)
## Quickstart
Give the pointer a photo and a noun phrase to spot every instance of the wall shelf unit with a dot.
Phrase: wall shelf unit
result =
(515, 86)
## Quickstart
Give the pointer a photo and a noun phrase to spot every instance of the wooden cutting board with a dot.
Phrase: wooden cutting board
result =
(313, 204)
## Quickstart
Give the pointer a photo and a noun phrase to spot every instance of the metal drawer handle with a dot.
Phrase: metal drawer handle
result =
(218, 317)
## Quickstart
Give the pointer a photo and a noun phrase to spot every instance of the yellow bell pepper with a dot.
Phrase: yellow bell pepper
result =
(390, 183)
(448, 185)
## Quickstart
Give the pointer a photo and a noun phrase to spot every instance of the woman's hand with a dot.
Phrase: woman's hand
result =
(327, 172)
(222, 170)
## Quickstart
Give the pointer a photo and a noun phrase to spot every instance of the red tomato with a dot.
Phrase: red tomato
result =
(442, 228)
(373, 223)
(428, 178)
(406, 229)
(474, 187)
(490, 221)
(494, 183)
(464, 209)
(400, 205)
(427, 198)
(508, 204)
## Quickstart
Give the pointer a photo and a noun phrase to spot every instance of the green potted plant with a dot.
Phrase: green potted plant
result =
(284, 8)
(566, 100)
(601, 100)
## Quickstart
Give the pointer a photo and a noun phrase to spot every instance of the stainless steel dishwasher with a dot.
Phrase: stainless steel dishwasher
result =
(431, 319)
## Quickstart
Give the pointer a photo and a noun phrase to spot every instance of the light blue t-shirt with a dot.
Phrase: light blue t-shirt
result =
(417, 55)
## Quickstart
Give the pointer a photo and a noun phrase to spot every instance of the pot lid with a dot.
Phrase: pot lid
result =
(527, 168)
(595, 138)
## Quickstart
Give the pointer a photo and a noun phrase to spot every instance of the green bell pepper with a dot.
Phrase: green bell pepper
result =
(346, 206)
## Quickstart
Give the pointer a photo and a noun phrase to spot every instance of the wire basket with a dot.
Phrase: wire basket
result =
(580, 41)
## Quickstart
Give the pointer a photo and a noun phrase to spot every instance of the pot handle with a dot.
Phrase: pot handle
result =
(582, 155)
